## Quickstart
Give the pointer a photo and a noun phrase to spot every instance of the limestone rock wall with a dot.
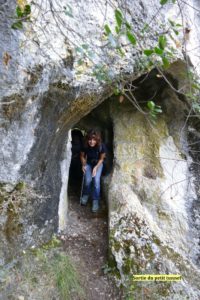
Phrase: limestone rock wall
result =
(151, 195)
(39, 71)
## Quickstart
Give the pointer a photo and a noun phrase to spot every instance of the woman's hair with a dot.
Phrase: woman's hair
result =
(93, 134)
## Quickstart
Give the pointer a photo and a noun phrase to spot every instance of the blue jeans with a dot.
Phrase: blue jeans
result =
(94, 182)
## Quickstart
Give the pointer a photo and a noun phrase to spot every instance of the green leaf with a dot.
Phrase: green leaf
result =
(162, 41)
(148, 52)
(169, 54)
(150, 64)
(165, 62)
(19, 12)
(176, 32)
(117, 29)
(158, 109)
(121, 52)
(107, 29)
(162, 2)
(17, 25)
(27, 10)
(158, 51)
(118, 17)
(171, 22)
(116, 91)
(131, 37)
(196, 86)
(151, 105)
(128, 26)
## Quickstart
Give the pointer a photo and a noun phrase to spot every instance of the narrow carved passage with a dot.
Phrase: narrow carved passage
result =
(86, 236)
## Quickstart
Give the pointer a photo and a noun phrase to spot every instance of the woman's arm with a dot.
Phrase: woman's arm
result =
(83, 161)
(100, 161)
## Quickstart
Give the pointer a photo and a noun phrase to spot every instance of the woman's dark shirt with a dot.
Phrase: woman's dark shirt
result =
(93, 153)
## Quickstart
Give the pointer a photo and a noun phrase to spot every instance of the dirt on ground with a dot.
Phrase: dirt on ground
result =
(86, 241)
(71, 266)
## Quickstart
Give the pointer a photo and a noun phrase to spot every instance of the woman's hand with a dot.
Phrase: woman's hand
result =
(83, 161)
(84, 168)
(94, 171)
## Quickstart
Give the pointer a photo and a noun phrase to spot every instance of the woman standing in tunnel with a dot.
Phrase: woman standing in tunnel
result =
(92, 156)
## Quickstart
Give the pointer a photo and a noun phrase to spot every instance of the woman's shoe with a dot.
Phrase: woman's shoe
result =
(95, 205)
(84, 200)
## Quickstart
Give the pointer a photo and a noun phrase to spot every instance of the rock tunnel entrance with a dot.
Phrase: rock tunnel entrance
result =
(99, 119)
(86, 236)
